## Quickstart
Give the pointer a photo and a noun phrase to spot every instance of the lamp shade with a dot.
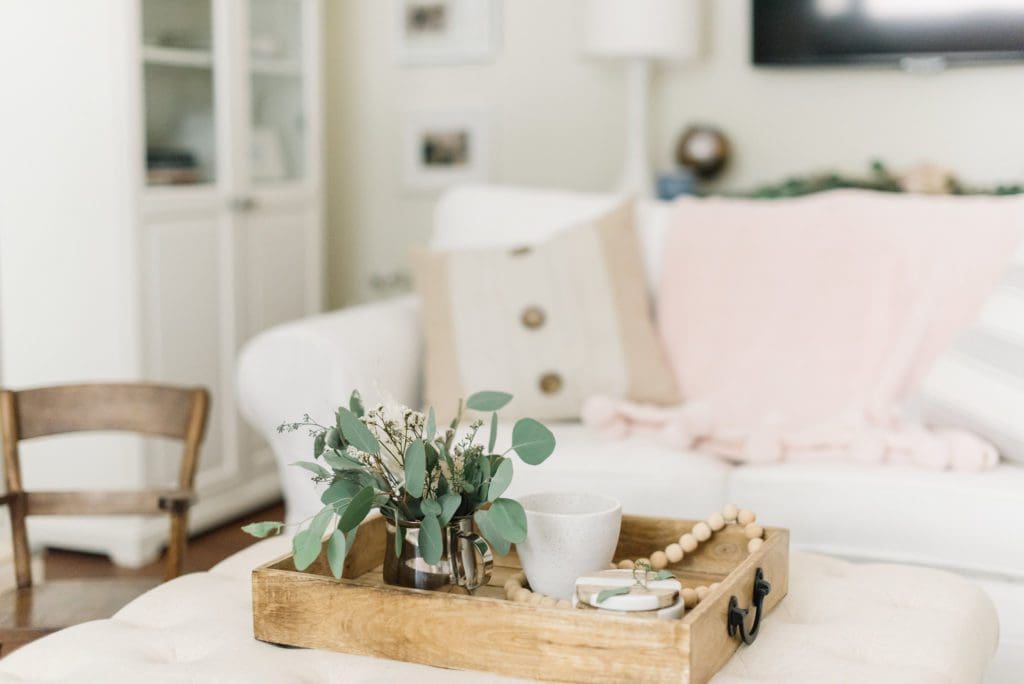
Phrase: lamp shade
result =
(647, 29)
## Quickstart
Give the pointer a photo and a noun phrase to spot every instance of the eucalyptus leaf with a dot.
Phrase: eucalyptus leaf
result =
(415, 468)
(357, 434)
(532, 441)
(454, 425)
(371, 479)
(332, 438)
(432, 456)
(306, 544)
(355, 404)
(430, 540)
(488, 401)
(430, 507)
(664, 575)
(494, 537)
(500, 480)
(509, 518)
(341, 461)
(494, 432)
(449, 506)
(431, 424)
(357, 509)
(262, 529)
(314, 468)
(606, 594)
(337, 548)
(321, 520)
(319, 443)
(340, 491)
(399, 539)
(305, 549)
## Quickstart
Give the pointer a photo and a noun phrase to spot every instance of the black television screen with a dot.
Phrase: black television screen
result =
(886, 31)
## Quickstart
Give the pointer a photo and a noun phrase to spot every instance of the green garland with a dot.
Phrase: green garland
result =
(880, 179)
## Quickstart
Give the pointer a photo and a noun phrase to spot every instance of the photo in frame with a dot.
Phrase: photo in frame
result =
(429, 32)
(446, 147)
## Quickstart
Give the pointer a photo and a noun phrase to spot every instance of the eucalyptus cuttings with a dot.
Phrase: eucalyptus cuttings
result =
(399, 461)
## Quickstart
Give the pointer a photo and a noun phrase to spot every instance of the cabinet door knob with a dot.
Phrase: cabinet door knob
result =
(243, 204)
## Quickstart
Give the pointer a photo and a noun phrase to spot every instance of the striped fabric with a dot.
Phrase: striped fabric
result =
(978, 385)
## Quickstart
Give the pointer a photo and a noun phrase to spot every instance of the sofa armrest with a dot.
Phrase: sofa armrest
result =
(312, 365)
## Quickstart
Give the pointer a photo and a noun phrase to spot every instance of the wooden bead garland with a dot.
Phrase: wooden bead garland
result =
(515, 590)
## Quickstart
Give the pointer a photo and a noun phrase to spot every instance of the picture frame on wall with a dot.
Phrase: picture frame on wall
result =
(446, 147)
(431, 32)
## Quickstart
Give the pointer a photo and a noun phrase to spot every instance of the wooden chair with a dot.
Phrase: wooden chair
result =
(28, 612)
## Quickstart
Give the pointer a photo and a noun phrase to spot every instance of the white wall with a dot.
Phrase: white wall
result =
(63, 282)
(784, 121)
(559, 116)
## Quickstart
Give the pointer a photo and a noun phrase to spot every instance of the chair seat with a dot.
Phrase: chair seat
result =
(33, 612)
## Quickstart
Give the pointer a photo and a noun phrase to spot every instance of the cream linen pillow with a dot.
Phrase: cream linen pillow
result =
(552, 324)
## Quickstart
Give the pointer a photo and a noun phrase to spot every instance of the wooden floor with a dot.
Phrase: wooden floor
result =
(204, 551)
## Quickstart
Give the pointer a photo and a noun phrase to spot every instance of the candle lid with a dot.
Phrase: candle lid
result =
(623, 592)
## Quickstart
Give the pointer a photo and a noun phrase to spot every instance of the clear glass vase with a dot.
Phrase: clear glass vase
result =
(465, 563)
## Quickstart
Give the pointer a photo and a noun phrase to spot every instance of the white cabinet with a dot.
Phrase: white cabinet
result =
(162, 204)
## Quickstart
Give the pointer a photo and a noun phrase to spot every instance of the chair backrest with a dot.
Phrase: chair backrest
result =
(158, 410)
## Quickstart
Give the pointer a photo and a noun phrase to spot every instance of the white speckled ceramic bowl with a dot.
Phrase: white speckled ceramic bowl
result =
(568, 534)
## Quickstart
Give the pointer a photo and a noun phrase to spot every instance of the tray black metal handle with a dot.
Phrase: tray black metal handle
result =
(738, 616)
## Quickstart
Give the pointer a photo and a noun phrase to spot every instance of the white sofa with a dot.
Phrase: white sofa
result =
(966, 522)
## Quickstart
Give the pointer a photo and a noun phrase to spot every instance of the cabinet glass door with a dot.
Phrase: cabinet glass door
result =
(277, 92)
(178, 85)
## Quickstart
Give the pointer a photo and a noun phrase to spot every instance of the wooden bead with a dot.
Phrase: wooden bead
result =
(702, 591)
(626, 564)
(548, 602)
(522, 595)
(659, 560)
(754, 544)
(745, 517)
(729, 512)
(689, 597)
(701, 531)
(674, 553)
(562, 603)
(688, 542)
(713, 586)
(716, 521)
(511, 585)
(535, 599)
(753, 531)
(519, 577)
(612, 566)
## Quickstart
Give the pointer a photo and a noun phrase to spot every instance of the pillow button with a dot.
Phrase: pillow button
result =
(533, 317)
(550, 383)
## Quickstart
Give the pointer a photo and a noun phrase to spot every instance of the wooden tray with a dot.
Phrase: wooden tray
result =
(360, 614)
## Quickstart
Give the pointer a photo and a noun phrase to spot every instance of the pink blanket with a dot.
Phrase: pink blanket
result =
(796, 327)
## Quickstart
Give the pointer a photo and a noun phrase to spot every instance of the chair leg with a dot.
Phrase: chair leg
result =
(176, 548)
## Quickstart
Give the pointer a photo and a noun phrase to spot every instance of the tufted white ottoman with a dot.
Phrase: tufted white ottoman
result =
(840, 623)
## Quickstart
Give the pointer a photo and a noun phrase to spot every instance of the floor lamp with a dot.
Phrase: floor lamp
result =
(640, 32)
